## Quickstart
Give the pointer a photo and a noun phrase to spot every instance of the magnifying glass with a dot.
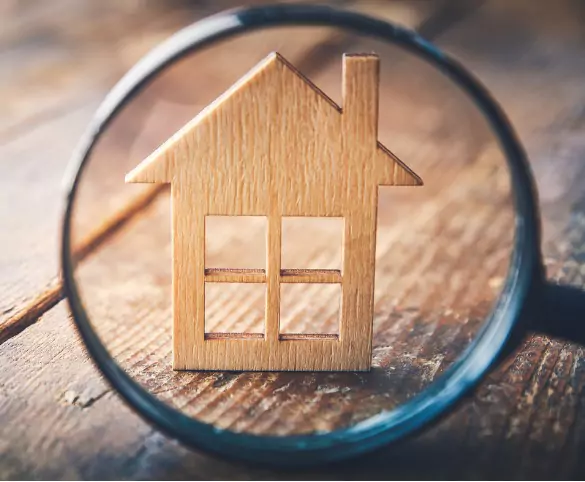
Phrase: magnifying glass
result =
(477, 214)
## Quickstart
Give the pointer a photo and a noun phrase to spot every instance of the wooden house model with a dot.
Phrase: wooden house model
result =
(275, 145)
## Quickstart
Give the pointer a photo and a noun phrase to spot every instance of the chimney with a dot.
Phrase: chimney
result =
(361, 75)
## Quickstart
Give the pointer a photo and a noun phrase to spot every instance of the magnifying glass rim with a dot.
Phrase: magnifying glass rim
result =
(385, 427)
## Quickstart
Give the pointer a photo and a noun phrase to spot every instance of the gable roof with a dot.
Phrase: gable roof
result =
(143, 171)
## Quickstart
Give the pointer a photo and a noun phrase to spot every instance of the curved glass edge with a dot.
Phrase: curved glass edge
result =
(302, 450)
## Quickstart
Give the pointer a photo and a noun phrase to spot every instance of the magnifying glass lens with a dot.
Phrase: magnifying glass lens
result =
(443, 250)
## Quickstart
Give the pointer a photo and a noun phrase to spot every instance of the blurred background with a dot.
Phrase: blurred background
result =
(442, 254)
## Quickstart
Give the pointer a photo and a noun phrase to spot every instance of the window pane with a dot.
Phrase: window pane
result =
(235, 242)
(310, 308)
(312, 243)
(234, 307)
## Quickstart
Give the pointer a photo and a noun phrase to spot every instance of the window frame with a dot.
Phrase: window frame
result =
(273, 282)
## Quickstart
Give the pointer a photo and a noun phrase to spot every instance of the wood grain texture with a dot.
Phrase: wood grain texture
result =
(311, 276)
(525, 421)
(275, 145)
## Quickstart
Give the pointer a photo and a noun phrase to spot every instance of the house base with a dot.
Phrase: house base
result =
(330, 354)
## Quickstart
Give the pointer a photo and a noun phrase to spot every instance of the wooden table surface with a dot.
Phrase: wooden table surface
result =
(442, 250)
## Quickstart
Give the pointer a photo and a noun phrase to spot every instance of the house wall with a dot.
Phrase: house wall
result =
(276, 148)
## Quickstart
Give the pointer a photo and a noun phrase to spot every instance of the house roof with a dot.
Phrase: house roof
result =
(140, 172)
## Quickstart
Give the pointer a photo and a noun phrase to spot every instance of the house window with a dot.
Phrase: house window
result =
(258, 297)
(235, 290)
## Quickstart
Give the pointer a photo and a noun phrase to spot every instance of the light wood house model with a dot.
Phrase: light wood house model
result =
(275, 145)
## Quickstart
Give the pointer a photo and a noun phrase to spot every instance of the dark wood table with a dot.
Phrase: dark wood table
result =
(443, 250)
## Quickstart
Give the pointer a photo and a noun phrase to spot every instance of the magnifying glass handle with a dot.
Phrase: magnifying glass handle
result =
(563, 312)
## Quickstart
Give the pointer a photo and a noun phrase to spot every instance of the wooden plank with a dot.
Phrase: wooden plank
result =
(273, 265)
(305, 336)
(28, 261)
(310, 276)
(234, 275)
(228, 336)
